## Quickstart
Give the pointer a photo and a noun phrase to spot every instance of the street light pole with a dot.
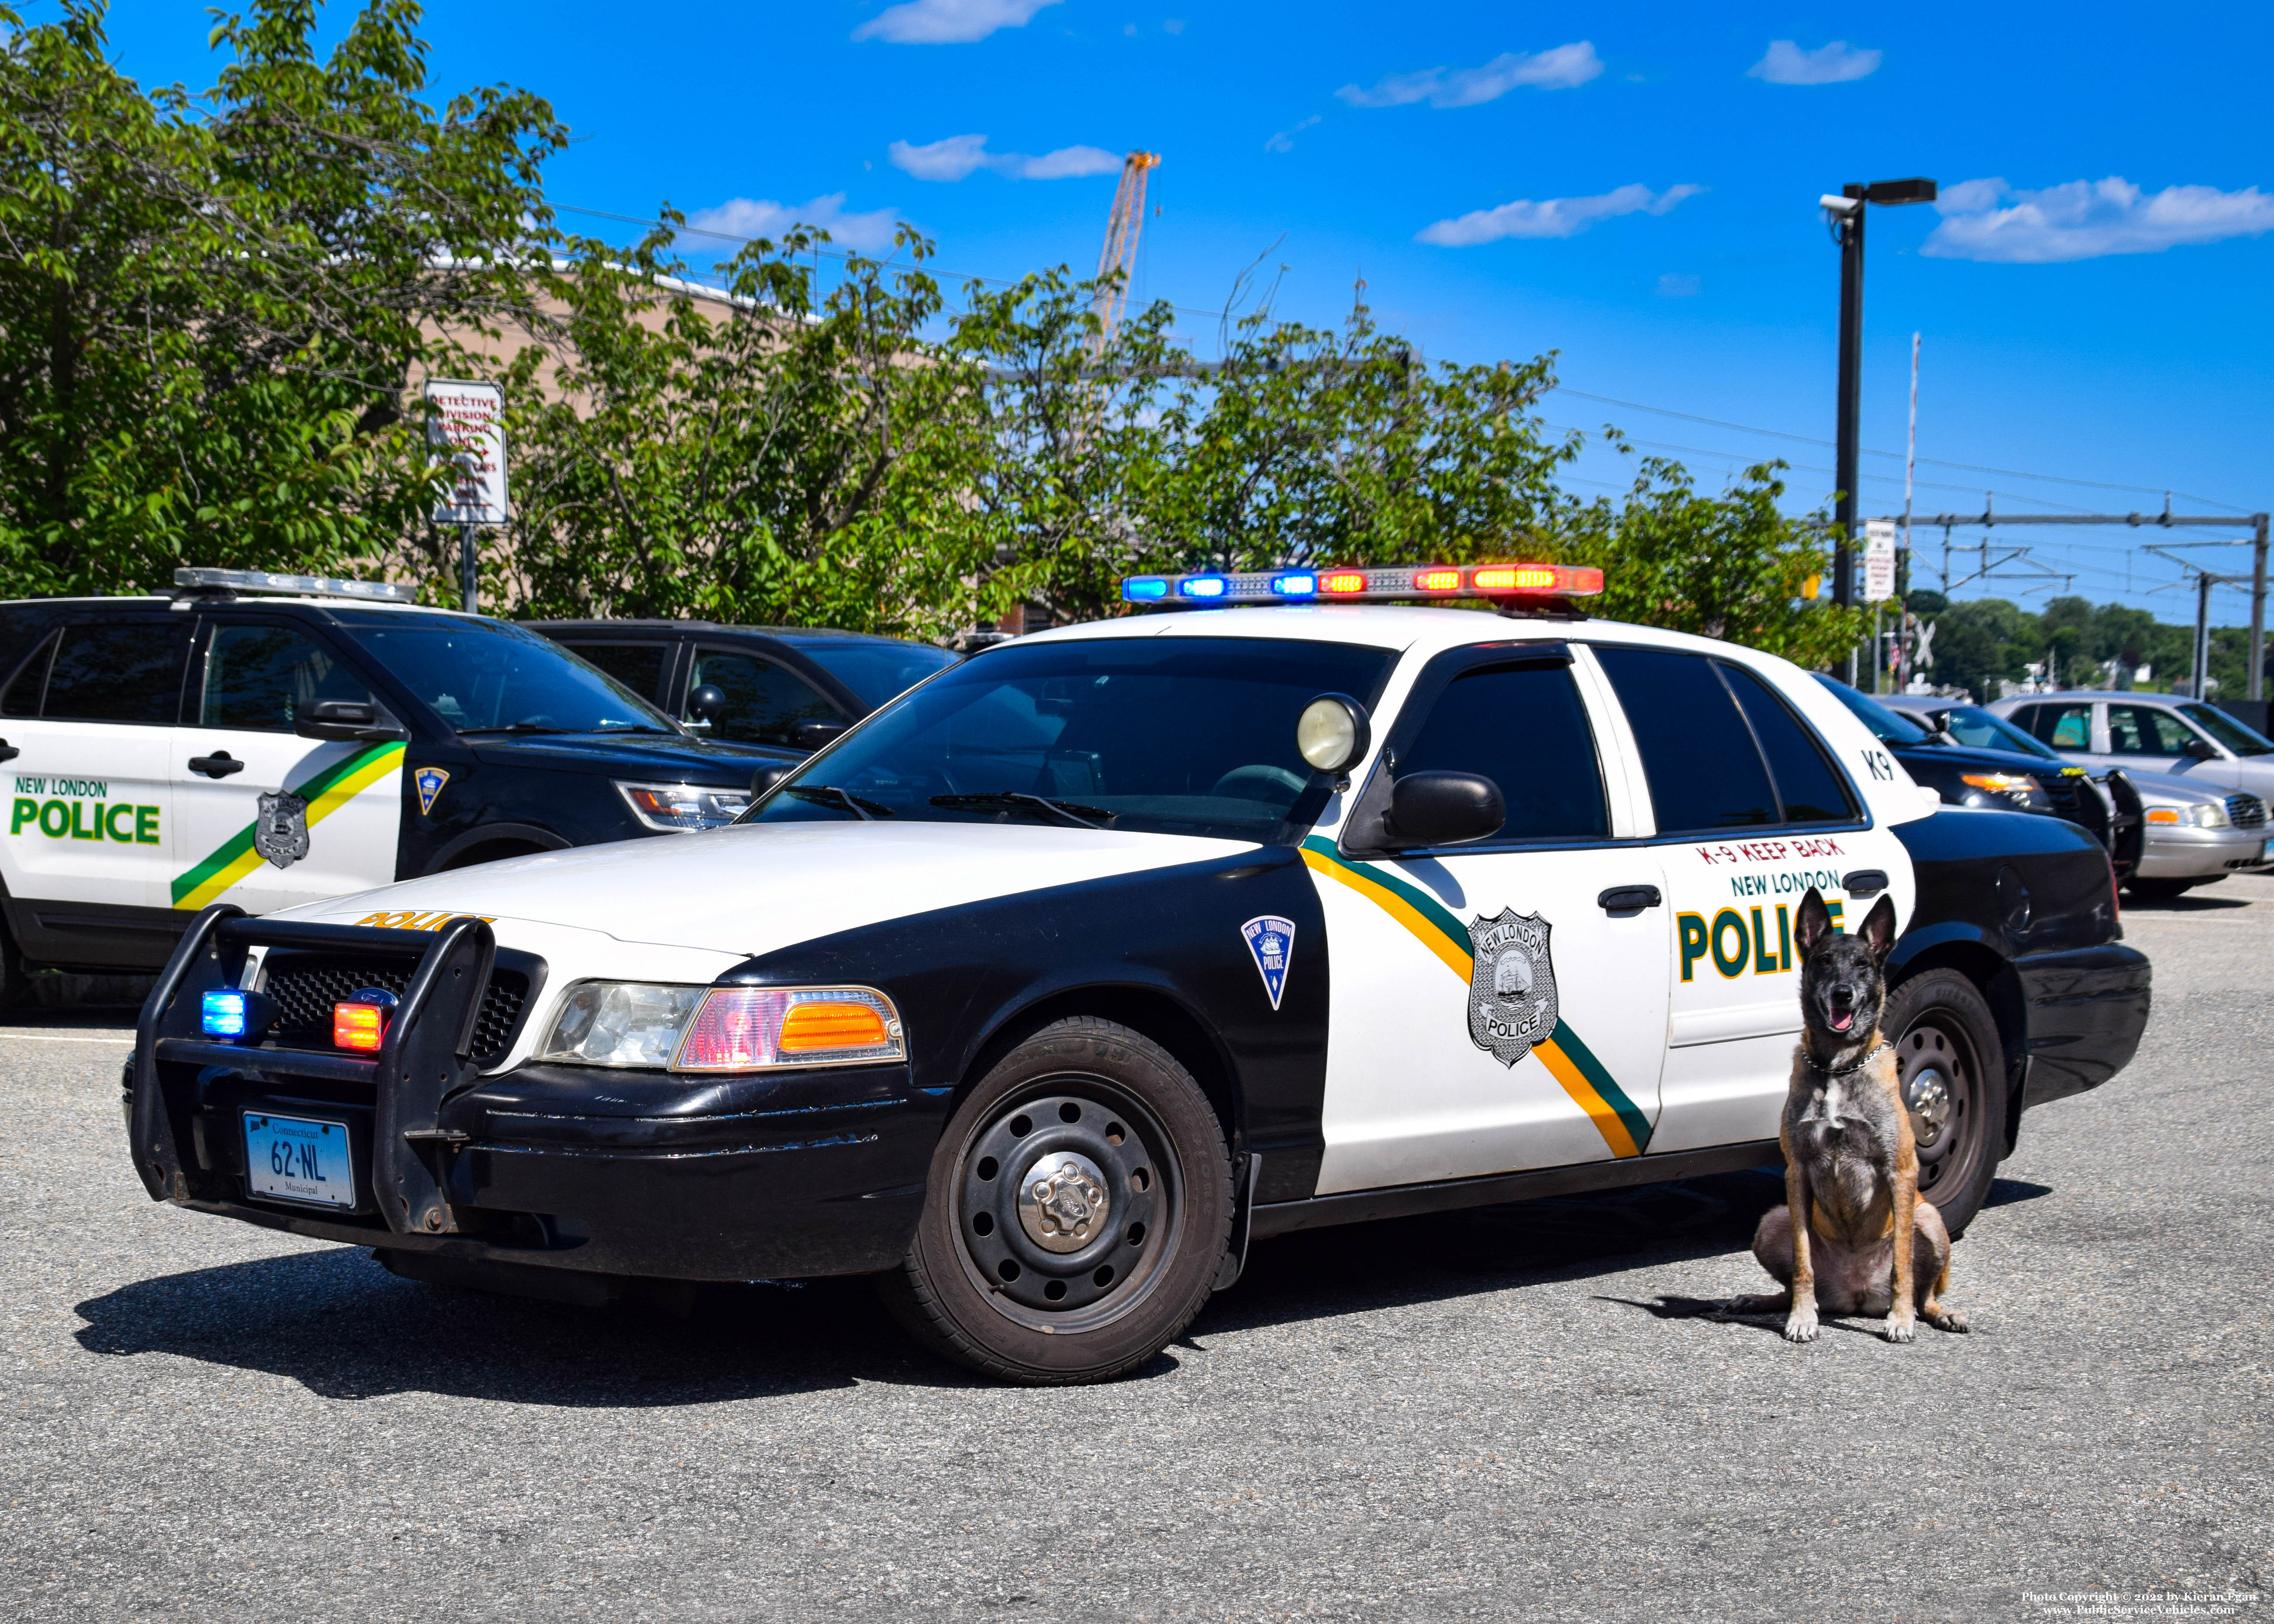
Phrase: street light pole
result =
(1847, 211)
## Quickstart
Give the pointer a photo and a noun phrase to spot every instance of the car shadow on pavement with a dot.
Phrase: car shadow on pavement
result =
(340, 1325)
(336, 1322)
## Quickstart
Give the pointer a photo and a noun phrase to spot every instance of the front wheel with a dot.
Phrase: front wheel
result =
(2158, 890)
(1950, 1066)
(1079, 1205)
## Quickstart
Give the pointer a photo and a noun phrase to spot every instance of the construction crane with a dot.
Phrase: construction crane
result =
(1120, 252)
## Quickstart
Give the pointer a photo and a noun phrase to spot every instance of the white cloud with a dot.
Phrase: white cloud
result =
(1551, 216)
(960, 156)
(947, 22)
(1786, 63)
(764, 217)
(1285, 141)
(1560, 69)
(2087, 219)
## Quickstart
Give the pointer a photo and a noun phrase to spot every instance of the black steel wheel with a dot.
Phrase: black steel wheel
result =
(1079, 1206)
(1950, 1068)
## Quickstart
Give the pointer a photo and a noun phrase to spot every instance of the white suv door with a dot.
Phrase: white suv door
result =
(1502, 1005)
(91, 718)
(268, 819)
(1751, 809)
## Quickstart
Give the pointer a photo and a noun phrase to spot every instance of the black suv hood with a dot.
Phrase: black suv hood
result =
(631, 755)
(1971, 758)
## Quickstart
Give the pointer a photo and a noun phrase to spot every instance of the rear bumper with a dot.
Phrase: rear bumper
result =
(768, 1175)
(2087, 1009)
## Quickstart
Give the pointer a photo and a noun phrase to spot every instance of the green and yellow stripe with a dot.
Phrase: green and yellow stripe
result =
(1568, 1060)
(326, 793)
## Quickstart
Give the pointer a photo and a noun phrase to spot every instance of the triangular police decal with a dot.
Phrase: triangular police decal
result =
(1271, 939)
(428, 781)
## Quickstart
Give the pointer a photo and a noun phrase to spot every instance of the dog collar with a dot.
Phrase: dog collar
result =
(1882, 1047)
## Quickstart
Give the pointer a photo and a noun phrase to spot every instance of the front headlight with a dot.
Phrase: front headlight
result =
(2210, 816)
(2019, 784)
(673, 808)
(722, 1028)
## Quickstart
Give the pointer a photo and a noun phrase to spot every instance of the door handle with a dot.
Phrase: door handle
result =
(1865, 883)
(8, 752)
(1628, 899)
(220, 764)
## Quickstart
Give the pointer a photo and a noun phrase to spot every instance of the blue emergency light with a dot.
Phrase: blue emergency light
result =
(1399, 583)
(228, 1012)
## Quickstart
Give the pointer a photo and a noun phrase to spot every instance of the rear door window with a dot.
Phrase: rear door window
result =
(765, 703)
(1524, 728)
(121, 671)
(639, 667)
(1806, 784)
(2143, 730)
(2065, 727)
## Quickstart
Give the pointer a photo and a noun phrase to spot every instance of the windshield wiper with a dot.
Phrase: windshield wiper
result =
(1012, 801)
(831, 795)
(523, 728)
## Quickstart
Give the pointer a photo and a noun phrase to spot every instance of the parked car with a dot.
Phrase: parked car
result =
(2160, 733)
(1991, 774)
(785, 691)
(265, 740)
(1050, 984)
(2191, 834)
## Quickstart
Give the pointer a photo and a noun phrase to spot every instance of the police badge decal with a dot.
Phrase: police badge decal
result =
(1512, 989)
(280, 833)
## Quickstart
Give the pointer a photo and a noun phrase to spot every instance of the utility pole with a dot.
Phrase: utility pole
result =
(2202, 634)
(2258, 609)
(1847, 211)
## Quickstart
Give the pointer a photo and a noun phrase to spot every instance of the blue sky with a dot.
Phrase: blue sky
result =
(1633, 186)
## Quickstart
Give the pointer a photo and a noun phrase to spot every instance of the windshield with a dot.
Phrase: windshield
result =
(1886, 725)
(486, 676)
(1166, 735)
(2227, 731)
(1978, 729)
(874, 669)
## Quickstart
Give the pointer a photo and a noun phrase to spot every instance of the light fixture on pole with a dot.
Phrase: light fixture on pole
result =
(1846, 211)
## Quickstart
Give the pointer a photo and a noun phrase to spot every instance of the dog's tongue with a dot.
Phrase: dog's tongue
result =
(1842, 1018)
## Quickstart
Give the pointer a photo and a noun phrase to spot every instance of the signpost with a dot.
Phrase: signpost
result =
(1878, 587)
(466, 426)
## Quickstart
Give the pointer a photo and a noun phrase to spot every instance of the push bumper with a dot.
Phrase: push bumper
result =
(2086, 1010)
(770, 1176)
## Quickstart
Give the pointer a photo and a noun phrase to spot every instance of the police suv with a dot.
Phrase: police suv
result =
(266, 741)
(1051, 984)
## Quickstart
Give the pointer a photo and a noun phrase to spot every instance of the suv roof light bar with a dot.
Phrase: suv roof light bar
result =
(1427, 583)
(203, 580)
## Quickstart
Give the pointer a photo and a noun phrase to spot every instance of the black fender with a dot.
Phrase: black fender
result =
(1161, 950)
(490, 834)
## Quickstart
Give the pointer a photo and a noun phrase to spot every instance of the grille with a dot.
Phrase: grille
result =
(2245, 811)
(2075, 799)
(306, 985)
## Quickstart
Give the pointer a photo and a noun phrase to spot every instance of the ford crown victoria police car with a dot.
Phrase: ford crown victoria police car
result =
(270, 740)
(1053, 981)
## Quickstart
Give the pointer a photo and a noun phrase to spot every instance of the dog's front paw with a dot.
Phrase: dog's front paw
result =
(1901, 1330)
(1800, 1328)
(1949, 1319)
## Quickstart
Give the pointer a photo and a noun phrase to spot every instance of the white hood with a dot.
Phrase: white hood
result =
(756, 887)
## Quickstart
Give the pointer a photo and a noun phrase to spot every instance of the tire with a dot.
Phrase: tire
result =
(1950, 1066)
(2158, 890)
(1049, 1292)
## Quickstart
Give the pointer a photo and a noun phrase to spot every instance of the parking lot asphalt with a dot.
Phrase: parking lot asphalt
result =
(1486, 1415)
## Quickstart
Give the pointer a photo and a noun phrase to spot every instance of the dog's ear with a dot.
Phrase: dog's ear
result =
(1814, 922)
(1879, 930)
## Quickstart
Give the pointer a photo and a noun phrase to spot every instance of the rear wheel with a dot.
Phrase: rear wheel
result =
(1950, 1067)
(1079, 1205)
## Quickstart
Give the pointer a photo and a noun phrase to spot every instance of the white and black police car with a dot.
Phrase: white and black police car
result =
(1054, 981)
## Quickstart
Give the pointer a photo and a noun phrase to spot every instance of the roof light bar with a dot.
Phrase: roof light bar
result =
(1215, 588)
(297, 586)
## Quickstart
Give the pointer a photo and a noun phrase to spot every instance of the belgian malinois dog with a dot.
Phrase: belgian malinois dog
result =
(1853, 1237)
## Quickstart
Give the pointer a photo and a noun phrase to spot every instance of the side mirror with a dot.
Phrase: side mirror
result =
(812, 735)
(1938, 721)
(1333, 732)
(345, 719)
(2201, 749)
(706, 704)
(765, 777)
(1445, 809)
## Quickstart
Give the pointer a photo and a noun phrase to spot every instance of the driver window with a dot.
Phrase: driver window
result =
(2143, 730)
(1524, 728)
(2065, 727)
(764, 703)
(261, 678)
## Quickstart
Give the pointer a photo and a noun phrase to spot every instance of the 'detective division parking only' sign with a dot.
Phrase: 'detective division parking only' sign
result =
(466, 427)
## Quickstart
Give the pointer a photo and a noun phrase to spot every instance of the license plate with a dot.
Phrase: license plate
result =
(293, 1158)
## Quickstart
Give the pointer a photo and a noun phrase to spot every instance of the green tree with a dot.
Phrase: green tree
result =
(215, 301)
